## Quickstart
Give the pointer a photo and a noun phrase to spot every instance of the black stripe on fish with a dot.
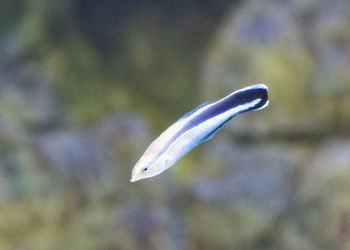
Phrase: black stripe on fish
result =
(227, 103)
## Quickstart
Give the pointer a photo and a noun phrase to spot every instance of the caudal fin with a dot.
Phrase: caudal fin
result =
(250, 94)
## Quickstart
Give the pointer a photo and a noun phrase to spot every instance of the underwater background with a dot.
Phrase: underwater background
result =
(86, 85)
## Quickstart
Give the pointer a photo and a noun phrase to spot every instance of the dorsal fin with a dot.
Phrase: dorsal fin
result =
(196, 109)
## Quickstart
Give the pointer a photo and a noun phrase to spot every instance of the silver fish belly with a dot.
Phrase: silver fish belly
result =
(198, 126)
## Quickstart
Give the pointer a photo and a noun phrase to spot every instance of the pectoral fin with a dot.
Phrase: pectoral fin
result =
(210, 135)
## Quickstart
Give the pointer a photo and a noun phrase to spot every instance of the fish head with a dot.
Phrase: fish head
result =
(147, 167)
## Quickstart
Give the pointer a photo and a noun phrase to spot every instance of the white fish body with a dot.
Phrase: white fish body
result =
(196, 127)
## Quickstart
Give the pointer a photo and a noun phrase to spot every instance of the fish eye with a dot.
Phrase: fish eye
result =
(145, 169)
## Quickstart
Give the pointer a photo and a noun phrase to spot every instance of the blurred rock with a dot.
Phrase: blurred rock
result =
(332, 160)
(252, 195)
(143, 225)
(263, 177)
(11, 133)
(73, 156)
(223, 227)
(124, 136)
(301, 50)
(25, 88)
(15, 176)
(157, 226)
(323, 201)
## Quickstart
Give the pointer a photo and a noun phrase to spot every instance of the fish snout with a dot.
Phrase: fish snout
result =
(134, 177)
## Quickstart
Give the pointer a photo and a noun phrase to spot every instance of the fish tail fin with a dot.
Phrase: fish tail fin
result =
(256, 93)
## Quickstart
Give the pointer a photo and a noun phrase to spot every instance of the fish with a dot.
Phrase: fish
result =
(196, 127)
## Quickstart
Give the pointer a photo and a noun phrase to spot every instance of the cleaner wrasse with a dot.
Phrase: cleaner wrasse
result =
(196, 127)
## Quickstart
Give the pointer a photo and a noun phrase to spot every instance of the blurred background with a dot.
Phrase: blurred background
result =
(86, 85)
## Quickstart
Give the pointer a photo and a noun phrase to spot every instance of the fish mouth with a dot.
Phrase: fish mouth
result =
(133, 178)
